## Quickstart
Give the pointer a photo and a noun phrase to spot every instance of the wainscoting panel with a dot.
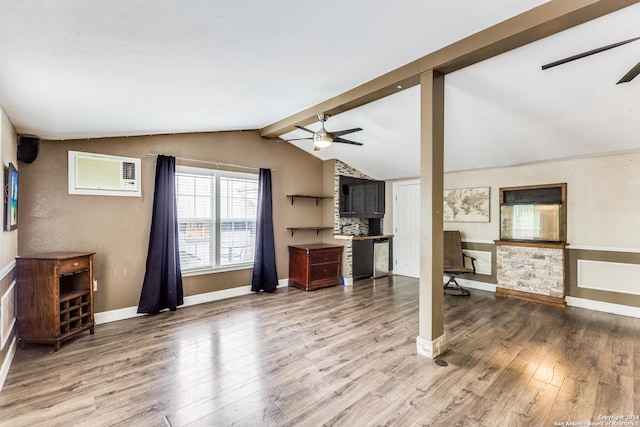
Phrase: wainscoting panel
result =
(7, 318)
(483, 261)
(7, 313)
(609, 276)
(601, 276)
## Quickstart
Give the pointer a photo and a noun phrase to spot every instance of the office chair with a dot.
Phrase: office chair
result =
(454, 263)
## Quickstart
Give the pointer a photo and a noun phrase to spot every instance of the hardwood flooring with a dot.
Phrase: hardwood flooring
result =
(338, 357)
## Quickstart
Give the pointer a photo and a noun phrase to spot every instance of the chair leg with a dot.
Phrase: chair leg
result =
(452, 287)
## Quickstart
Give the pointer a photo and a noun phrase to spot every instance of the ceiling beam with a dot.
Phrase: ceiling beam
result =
(545, 20)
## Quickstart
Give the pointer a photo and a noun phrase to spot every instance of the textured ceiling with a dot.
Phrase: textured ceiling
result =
(82, 69)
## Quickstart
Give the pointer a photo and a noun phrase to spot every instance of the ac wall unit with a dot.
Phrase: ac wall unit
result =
(103, 175)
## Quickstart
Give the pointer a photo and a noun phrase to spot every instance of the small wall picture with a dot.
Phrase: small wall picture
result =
(11, 198)
(467, 204)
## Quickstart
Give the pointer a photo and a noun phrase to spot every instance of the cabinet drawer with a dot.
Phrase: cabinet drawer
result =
(72, 265)
(321, 272)
(324, 257)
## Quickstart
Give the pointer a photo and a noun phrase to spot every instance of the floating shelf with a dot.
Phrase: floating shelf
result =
(317, 229)
(293, 197)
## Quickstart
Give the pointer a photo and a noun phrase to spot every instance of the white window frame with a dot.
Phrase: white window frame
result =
(215, 209)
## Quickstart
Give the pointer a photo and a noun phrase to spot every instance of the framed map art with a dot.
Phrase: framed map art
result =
(467, 204)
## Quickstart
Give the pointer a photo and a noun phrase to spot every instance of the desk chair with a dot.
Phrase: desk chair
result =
(454, 263)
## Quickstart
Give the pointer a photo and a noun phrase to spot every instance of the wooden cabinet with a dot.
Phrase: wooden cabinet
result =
(54, 297)
(366, 262)
(367, 200)
(361, 198)
(315, 266)
(362, 254)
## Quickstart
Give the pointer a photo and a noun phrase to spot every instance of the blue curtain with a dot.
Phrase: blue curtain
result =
(265, 277)
(162, 286)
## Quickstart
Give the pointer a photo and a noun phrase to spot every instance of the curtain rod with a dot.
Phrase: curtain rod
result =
(217, 164)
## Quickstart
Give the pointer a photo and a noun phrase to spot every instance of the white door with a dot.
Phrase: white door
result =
(406, 226)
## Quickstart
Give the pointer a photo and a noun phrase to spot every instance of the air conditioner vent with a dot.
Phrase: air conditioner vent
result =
(103, 175)
(128, 170)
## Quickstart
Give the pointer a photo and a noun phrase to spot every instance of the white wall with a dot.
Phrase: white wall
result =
(8, 252)
(603, 198)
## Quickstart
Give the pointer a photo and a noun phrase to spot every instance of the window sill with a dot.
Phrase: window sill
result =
(227, 268)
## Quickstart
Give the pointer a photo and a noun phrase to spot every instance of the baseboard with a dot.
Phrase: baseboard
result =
(474, 284)
(217, 295)
(528, 296)
(606, 307)
(131, 312)
(6, 363)
(115, 315)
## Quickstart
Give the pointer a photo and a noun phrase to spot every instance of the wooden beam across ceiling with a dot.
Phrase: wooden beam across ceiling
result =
(540, 22)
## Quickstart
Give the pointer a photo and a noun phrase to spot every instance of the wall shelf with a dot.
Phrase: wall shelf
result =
(318, 229)
(293, 197)
(293, 230)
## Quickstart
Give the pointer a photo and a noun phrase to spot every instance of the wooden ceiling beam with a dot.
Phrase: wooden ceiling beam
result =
(545, 20)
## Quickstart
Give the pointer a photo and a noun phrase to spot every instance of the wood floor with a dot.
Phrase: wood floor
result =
(338, 357)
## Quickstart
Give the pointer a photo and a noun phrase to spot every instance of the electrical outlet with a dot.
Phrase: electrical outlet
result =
(95, 285)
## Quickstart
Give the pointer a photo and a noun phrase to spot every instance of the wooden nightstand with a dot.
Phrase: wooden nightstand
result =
(315, 266)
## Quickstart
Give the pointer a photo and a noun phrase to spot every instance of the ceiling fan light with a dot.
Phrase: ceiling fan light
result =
(322, 140)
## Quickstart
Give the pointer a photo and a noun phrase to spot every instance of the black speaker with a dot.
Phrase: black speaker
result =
(27, 148)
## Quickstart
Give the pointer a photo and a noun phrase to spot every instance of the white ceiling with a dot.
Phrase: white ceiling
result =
(83, 69)
(507, 111)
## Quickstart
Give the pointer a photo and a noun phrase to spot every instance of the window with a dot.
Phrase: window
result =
(216, 218)
(531, 222)
(533, 213)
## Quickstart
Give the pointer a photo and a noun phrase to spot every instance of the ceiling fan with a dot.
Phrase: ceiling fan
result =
(631, 74)
(323, 139)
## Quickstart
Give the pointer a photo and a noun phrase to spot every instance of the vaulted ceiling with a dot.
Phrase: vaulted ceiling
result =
(82, 69)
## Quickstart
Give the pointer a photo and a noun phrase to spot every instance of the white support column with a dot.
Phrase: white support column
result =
(431, 341)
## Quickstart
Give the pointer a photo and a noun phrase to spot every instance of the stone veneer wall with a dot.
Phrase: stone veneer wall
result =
(531, 269)
(348, 226)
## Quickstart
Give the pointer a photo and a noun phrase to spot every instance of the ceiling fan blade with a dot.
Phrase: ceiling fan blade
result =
(344, 132)
(631, 74)
(588, 53)
(304, 128)
(297, 139)
(346, 141)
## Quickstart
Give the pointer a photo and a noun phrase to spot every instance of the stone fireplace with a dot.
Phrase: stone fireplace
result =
(530, 253)
(533, 273)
